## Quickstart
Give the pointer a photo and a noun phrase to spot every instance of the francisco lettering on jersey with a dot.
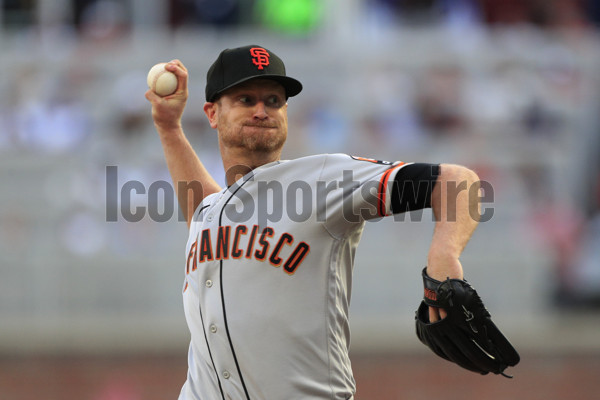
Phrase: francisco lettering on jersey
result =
(261, 246)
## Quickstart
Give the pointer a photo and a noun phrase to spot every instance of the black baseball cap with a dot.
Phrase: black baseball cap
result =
(241, 64)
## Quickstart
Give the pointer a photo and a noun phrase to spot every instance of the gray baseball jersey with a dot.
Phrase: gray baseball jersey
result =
(268, 279)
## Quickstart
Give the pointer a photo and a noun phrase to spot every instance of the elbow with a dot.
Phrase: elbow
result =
(458, 174)
(456, 195)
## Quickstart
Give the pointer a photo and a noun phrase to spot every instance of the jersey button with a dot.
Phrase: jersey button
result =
(209, 283)
(213, 328)
(226, 374)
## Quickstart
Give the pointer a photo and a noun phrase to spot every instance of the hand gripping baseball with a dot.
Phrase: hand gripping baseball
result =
(168, 110)
(467, 336)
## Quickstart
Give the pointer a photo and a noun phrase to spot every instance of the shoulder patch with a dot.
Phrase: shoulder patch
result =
(372, 160)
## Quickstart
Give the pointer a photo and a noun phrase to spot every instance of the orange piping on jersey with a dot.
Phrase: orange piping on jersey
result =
(374, 161)
(383, 189)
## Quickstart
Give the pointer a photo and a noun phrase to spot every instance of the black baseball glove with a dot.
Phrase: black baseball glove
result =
(467, 336)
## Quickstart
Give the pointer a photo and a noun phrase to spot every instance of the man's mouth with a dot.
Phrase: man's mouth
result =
(265, 126)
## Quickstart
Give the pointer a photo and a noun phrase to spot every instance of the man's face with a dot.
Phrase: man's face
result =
(252, 116)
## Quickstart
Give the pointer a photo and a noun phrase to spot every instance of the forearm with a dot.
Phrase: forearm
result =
(190, 178)
(456, 210)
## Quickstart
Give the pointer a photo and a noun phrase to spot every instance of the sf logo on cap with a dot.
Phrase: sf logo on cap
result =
(260, 57)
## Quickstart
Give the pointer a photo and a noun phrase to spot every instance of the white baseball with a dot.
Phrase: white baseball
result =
(161, 81)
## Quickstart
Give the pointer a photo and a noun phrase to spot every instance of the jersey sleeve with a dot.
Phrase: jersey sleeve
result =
(357, 189)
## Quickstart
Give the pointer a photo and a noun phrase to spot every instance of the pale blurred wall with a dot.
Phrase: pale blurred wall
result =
(518, 105)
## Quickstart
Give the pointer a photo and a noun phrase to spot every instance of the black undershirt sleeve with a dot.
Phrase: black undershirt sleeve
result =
(413, 186)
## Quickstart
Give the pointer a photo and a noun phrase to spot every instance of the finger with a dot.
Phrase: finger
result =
(434, 315)
(178, 63)
(180, 71)
(151, 96)
(177, 68)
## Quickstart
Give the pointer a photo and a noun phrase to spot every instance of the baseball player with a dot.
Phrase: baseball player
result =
(269, 258)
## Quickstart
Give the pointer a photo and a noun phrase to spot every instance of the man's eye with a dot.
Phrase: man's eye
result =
(274, 101)
(244, 99)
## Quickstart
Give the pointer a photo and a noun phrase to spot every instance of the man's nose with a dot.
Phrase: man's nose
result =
(260, 110)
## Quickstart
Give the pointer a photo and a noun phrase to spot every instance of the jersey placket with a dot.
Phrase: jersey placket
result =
(213, 314)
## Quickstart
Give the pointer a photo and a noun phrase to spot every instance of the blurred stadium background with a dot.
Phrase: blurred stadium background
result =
(91, 308)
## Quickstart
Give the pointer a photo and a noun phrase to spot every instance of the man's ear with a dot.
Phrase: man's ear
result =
(210, 109)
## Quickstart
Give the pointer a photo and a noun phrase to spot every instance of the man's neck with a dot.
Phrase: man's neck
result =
(239, 165)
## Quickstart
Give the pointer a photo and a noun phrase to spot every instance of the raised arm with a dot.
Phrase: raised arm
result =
(190, 178)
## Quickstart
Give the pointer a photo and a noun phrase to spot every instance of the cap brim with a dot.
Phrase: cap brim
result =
(292, 86)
